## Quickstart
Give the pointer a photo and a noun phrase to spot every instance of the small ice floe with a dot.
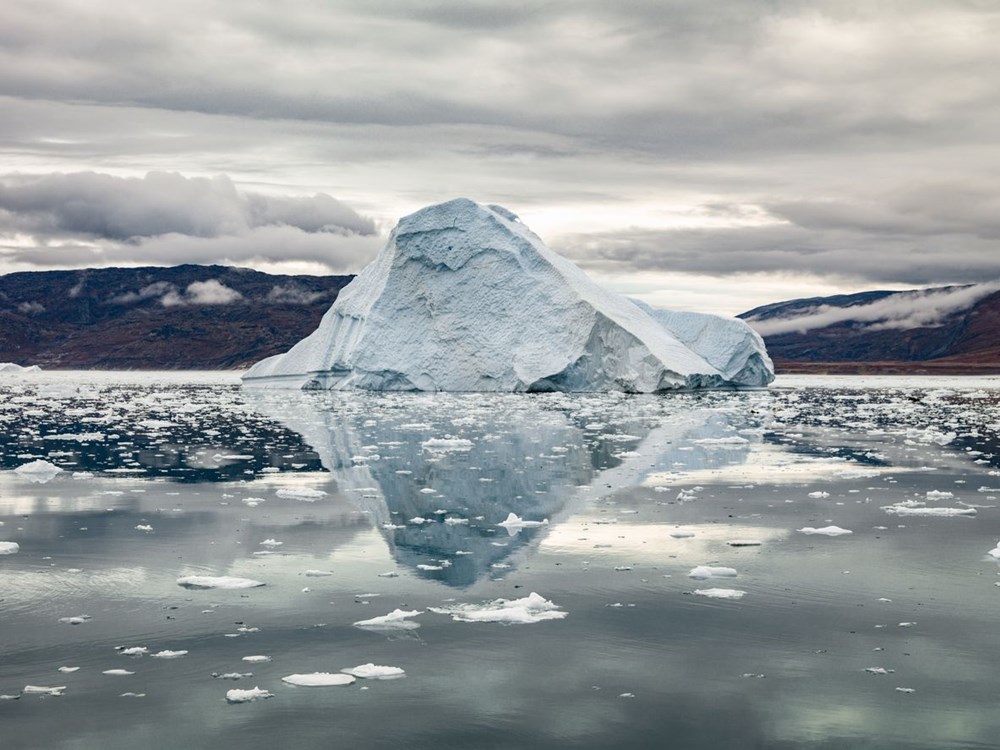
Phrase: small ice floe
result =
(231, 675)
(712, 571)
(398, 619)
(681, 534)
(913, 508)
(425, 566)
(428, 491)
(271, 543)
(144, 527)
(83, 475)
(132, 650)
(419, 520)
(753, 675)
(319, 679)
(253, 502)
(38, 471)
(167, 654)
(825, 531)
(217, 582)
(389, 574)
(306, 494)
(317, 573)
(626, 695)
(531, 609)
(514, 523)
(256, 659)
(995, 552)
(247, 696)
(375, 672)
(879, 670)
(722, 441)
(907, 624)
(132, 695)
(743, 543)
(939, 495)
(69, 670)
(819, 495)
(117, 672)
(721, 593)
(455, 521)
(445, 445)
(9, 548)
(75, 620)
(43, 690)
(905, 690)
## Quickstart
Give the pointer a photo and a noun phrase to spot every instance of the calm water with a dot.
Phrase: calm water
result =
(172, 475)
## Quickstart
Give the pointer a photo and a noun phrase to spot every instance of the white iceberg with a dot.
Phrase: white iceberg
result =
(375, 672)
(712, 571)
(318, 679)
(43, 690)
(721, 593)
(465, 297)
(247, 696)
(9, 548)
(514, 523)
(398, 619)
(532, 608)
(10, 368)
(825, 531)
(217, 582)
(38, 471)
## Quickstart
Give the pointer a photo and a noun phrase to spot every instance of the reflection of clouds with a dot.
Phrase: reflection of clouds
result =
(537, 457)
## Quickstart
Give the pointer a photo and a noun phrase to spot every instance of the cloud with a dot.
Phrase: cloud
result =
(292, 294)
(102, 206)
(156, 289)
(902, 310)
(210, 292)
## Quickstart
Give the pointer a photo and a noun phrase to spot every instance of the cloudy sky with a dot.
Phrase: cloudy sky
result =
(708, 155)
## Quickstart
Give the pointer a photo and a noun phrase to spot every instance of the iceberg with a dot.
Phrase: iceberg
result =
(464, 297)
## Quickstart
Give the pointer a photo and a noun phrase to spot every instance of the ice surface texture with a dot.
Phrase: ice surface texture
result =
(465, 297)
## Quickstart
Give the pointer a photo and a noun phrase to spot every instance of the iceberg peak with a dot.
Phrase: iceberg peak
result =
(464, 297)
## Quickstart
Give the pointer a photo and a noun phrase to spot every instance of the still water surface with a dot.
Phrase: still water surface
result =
(883, 638)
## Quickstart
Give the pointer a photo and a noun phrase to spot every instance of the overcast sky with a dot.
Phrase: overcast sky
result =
(711, 155)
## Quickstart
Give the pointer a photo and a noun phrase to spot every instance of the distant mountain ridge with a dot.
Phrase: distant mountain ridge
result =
(953, 329)
(179, 317)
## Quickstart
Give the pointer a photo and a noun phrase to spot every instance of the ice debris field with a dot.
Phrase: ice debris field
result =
(232, 565)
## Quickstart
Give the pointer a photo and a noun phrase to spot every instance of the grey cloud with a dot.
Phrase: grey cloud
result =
(336, 252)
(88, 204)
(210, 292)
(292, 294)
(905, 310)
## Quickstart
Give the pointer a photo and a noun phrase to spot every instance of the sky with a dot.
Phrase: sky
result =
(711, 156)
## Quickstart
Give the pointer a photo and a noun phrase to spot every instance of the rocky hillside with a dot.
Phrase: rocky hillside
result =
(183, 317)
(943, 330)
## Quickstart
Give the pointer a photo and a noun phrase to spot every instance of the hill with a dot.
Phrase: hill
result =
(182, 317)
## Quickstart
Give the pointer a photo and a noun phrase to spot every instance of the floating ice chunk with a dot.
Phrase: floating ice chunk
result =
(995, 552)
(515, 523)
(271, 543)
(722, 441)
(454, 521)
(12, 368)
(681, 534)
(318, 679)
(721, 593)
(317, 573)
(712, 571)
(247, 696)
(879, 670)
(133, 650)
(939, 495)
(38, 471)
(167, 654)
(117, 672)
(43, 690)
(398, 619)
(626, 695)
(531, 609)
(743, 543)
(444, 445)
(913, 509)
(819, 495)
(75, 619)
(425, 566)
(389, 574)
(905, 690)
(217, 582)
(69, 670)
(256, 659)
(825, 531)
(375, 672)
(231, 675)
(306, 494)
(9, 548)
(144, 527)
(419, 520)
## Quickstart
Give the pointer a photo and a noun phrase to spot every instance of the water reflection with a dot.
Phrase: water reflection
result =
(439, 474)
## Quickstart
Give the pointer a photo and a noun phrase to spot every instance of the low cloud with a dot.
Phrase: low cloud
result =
(903, 310)
(292, 294)
(211, 292)
(96, 206)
